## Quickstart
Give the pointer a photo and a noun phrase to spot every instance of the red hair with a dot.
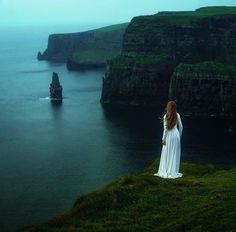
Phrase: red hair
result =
(171, 114)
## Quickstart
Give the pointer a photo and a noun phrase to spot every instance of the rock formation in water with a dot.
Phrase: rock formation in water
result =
(155, 45)
(55, 88)
(89, 49)
(39, 56)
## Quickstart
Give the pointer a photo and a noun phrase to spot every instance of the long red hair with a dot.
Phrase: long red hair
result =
(171, 114)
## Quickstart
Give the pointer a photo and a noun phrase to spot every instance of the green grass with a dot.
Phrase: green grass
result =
(212, 67)
(137, 59)
(113, 27)
(93, 55)
(216, 10)
(105, 46)
(203, 11)
(203, 200)
(186, 18)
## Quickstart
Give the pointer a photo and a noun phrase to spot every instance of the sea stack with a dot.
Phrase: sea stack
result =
(55, 88)
(40, 56)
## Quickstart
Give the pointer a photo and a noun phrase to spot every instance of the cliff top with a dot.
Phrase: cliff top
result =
(203, 200)
(110, 28)
(187, 17)
(114, 27)
(203, 11)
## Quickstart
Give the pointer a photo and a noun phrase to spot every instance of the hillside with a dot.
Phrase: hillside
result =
(203, 200)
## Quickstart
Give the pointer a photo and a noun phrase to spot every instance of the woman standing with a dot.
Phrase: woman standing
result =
(170, 154)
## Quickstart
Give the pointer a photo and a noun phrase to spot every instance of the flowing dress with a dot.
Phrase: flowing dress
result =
(170, 154)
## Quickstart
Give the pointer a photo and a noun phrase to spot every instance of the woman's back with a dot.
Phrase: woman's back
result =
(178, 123)
(170, 155)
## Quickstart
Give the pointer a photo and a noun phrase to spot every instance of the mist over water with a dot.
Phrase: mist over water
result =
(50, 155)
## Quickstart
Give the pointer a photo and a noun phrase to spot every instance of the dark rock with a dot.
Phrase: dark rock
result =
(40, 56)
(207, 88)
(137, 81)
(55, 88)
(74, 66)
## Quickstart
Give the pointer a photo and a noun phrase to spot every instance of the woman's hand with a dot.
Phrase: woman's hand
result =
(163, 142)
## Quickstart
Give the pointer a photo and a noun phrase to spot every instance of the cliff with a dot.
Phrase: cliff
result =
(164, 41)
(206, 88)
(85, 49)
(137, 80)
(202, 200)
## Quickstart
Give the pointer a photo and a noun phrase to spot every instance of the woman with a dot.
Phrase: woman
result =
(170, 154)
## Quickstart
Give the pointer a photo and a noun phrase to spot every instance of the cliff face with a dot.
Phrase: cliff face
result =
(137, 80)
(87, 48)
(189, 38)
(207, 88)
(207, 34)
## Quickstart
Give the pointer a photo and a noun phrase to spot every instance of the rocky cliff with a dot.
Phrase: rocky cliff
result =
(85, 49)
(139, 80)
(204, 88)
(154, 46)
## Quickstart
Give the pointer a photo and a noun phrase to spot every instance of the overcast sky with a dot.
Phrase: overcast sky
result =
(28, 12)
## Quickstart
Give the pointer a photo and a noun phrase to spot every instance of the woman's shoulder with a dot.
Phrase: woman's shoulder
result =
(178, 115)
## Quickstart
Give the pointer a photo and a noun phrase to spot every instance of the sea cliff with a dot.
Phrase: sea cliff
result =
(207, 88)
(155, 45)
(89, 49)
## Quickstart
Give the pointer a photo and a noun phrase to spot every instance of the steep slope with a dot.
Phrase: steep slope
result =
(207, 88)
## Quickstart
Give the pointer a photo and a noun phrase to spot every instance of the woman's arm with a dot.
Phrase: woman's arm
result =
(165, 130)
(180, 125)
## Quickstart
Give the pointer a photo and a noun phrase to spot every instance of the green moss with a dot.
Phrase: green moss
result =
(216, 10)
(203, 200)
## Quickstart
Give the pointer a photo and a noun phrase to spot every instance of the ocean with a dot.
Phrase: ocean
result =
(50, 155)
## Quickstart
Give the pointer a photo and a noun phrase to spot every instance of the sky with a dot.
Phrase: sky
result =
(52, 12)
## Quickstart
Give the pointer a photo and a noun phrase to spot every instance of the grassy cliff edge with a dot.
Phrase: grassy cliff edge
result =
(203, 200)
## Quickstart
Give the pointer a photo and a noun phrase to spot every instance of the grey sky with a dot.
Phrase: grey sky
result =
(16, 12)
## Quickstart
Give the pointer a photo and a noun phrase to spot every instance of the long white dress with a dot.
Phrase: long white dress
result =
(170, 154)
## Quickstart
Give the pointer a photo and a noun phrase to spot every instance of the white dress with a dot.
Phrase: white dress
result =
(170, 154)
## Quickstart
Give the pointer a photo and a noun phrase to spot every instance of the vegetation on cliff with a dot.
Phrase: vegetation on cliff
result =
(213, 67)
(105, 46)
(89, 48)
(203, 200)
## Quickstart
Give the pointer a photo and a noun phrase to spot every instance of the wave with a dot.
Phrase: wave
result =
(45, 98)
(36, 71)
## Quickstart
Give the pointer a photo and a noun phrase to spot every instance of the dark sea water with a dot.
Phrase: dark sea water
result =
(51, 155)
